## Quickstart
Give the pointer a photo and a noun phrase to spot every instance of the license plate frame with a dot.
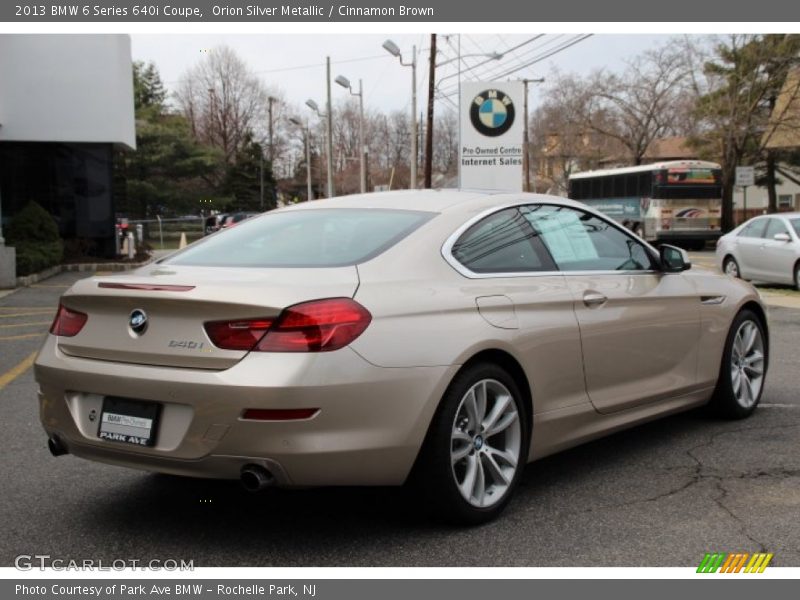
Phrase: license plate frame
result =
(129, 421)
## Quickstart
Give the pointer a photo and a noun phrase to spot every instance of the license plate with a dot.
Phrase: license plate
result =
(129, 421)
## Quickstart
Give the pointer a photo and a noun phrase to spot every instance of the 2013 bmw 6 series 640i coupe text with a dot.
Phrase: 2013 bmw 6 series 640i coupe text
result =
(446, 336)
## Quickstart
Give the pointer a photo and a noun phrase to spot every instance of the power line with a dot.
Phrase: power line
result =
(563, 46)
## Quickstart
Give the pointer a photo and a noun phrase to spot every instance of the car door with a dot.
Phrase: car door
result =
(747, 247)
(518, 290)
(775, 259)
(639, 327)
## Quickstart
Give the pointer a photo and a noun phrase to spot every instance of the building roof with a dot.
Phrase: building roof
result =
(784, 123)
(669, 148)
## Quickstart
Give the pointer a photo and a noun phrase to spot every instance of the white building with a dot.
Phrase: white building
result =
(66, 104)
(788, 193)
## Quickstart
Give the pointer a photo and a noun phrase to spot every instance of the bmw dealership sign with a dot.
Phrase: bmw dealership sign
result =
(492, 127)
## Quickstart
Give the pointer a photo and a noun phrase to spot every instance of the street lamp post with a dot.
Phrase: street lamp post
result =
(394, 50)
(345, 83)
(329, 122)
(310, 191)
(329, 163)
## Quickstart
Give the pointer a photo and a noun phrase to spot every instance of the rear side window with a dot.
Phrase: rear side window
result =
(754, 229)
(774, 226)
(305, 238)
(503, 242)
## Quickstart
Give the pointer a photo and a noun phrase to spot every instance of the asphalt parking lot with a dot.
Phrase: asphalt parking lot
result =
(659, 495)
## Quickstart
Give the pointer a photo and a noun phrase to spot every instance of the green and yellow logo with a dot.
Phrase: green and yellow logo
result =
(736, 562)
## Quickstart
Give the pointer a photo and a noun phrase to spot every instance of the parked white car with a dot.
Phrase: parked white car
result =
(765, 248)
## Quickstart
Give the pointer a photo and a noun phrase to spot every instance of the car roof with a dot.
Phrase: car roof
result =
(786, 215)
(443, 200)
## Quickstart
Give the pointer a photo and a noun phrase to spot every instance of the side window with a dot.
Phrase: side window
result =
(774, 226)
(503, 242)
(753, 229)
(579, 241)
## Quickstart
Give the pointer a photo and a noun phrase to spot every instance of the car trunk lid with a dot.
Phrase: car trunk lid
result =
(178, 300)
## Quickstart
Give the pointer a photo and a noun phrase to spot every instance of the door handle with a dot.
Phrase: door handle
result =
(594, 299)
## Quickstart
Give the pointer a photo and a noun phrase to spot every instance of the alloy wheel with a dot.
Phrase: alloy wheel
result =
(747, 364)
(486, 443)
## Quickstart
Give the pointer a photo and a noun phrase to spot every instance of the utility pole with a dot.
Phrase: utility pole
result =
(261, 182)
(271, 145)
(310, 189)
(413, 118)
(526, 151)
(329, 127)
(429, 127)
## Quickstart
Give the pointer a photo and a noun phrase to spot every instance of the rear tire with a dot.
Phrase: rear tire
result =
(743, 369)
(731, 268)
(476, 447)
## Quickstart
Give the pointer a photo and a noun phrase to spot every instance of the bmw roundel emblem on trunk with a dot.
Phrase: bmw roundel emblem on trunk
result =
(138, 321)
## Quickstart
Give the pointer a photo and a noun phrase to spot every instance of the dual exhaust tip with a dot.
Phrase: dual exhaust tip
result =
(254, 478)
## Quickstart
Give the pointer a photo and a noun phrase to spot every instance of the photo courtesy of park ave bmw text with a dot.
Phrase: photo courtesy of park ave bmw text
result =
(337, 300)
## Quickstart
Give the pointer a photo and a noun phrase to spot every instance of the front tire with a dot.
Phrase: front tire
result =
(476, 447)
(743, 370)
(797, 276)
(731, 268)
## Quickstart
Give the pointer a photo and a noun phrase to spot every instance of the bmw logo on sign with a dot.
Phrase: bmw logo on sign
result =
(492, 113)
(138, 321)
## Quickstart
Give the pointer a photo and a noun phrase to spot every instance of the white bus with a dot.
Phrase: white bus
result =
(676, 202)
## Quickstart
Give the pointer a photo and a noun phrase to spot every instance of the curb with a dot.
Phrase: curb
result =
(781, 301)
(29, 280)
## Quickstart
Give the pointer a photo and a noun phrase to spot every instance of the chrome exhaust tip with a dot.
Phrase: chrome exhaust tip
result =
(56, 446)
(256, 478)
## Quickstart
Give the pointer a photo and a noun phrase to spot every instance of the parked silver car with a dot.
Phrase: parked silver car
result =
(765, 248)
(445, 337)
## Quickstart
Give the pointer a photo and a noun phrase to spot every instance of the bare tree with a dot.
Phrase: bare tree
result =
(223, 100)
(445, 143)
(643, 103)
(562, 142)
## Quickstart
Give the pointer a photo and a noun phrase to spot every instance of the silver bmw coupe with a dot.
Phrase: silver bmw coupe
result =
(443, 337)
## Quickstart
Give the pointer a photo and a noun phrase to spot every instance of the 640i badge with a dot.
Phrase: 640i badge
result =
(492, 112)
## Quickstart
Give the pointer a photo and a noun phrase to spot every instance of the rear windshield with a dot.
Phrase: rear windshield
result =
(305, 238)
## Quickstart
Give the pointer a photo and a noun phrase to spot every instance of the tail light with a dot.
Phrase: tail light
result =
(68, 322)
(316, 326)
(237, 335)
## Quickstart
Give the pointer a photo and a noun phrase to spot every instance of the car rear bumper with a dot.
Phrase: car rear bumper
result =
(368, 431)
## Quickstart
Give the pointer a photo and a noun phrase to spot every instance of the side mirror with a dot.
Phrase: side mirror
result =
(782, 237)
(673, 260)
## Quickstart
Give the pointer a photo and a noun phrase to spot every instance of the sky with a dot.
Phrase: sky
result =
(295, 63)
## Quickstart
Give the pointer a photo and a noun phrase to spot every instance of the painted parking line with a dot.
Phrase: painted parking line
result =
(17, 370)
(50, 285)
(25, 324)
(24, 336)
(39, 313)
(27, 308)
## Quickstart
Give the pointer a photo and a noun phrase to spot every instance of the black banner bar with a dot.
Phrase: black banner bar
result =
(196, 11)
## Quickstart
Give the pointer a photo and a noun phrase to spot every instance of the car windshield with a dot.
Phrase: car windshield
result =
(304, 238)
(796, 224)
